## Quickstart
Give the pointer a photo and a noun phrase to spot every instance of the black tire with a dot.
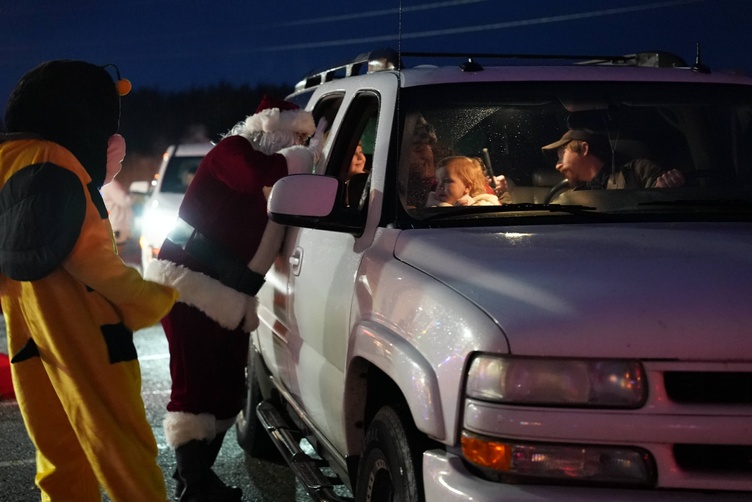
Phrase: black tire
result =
(390, 467)
(252, 437)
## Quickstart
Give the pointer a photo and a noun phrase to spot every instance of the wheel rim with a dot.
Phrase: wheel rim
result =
(381, 487)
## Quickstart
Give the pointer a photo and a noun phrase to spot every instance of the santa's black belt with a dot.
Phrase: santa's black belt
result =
(222, 263)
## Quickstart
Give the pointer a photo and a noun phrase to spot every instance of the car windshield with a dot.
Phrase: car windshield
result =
(634, 134)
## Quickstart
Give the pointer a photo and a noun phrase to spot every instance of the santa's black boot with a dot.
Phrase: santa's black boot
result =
(212, 451)
(179, 486)
(200, 482)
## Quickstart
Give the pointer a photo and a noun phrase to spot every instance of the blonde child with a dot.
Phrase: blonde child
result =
(460, 181)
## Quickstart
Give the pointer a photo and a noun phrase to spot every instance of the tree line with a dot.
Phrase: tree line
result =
(151, 120)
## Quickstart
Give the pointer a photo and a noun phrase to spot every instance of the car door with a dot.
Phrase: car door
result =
(275, 336)
(321, 275)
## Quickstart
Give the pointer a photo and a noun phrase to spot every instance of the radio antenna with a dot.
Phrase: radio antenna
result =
(699, 67)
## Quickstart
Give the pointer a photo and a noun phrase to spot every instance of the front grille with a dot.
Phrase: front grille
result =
(701, 457)
(709, 387)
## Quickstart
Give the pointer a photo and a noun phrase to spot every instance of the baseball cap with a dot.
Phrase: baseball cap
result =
(580, 134)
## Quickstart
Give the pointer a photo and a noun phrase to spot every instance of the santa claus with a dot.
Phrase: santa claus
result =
(216, 257)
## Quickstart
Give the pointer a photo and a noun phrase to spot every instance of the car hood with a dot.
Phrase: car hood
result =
(669, 291)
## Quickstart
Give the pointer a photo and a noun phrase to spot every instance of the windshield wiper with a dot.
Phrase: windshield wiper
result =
(702, 203)
(555, 208)
(450, 212)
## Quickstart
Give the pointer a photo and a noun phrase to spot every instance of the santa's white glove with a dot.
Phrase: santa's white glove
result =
(316, 143)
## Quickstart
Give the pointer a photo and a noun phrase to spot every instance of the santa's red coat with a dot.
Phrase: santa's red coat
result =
(226, 203)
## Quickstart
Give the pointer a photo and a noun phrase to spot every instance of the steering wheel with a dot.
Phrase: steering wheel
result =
(554, 192)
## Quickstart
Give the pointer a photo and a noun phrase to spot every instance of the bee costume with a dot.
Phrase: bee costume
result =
(70, 303)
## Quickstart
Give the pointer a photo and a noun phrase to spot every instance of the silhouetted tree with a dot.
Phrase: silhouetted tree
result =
(151, 119)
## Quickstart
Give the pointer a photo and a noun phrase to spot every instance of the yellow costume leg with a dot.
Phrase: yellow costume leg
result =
(63, 471)
(127, 459)
(100, 402)
(103, 401)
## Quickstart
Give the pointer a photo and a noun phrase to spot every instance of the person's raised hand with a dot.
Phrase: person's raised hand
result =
(316, 143)
(670, 179)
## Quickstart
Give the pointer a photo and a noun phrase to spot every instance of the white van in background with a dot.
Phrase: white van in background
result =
(165, 193)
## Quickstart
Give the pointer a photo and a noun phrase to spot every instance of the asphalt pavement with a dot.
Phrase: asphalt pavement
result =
(260, 480)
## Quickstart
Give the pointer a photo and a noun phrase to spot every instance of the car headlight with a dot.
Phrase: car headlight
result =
(156, 225)
(557, 382)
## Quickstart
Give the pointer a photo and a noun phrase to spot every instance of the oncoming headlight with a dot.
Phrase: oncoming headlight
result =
(157, 224)
(557, 382)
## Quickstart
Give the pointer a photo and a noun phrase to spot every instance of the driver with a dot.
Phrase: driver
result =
(586, 160)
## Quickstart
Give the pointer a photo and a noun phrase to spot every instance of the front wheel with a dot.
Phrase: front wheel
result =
(389, 469)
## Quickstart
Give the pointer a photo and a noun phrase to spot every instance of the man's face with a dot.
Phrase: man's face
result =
(421, 160)
(573, 166)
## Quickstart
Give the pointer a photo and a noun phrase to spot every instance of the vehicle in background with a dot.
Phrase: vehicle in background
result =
(586, 345)
(164, 195)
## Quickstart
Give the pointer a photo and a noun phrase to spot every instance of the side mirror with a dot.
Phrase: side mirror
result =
(312, 201)
(304, 195)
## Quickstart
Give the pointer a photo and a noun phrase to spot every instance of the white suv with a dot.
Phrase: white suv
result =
(587, 344)
(165, 194)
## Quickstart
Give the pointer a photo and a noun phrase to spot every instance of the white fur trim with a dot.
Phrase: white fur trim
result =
(226, 306)
(272, 119)
(300, 159)
(181, 427)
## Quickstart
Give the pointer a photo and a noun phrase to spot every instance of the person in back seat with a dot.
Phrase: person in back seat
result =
(586, 160)
(358, 162)
(355, 183)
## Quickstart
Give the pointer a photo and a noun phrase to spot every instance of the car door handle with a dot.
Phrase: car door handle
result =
(296, 260)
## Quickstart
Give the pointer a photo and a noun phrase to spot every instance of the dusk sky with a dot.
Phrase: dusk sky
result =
(180, 44)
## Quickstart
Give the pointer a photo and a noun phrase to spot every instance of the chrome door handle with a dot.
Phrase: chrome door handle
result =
(296, 260)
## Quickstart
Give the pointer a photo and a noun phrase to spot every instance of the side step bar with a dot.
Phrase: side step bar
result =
(307, 469)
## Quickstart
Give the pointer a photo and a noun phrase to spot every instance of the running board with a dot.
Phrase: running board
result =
(307, 469)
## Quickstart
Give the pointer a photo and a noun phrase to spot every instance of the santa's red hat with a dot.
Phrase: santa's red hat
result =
(279, 115)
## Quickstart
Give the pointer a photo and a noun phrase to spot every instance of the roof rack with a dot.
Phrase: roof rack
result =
(389, 59)
(376, 60)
